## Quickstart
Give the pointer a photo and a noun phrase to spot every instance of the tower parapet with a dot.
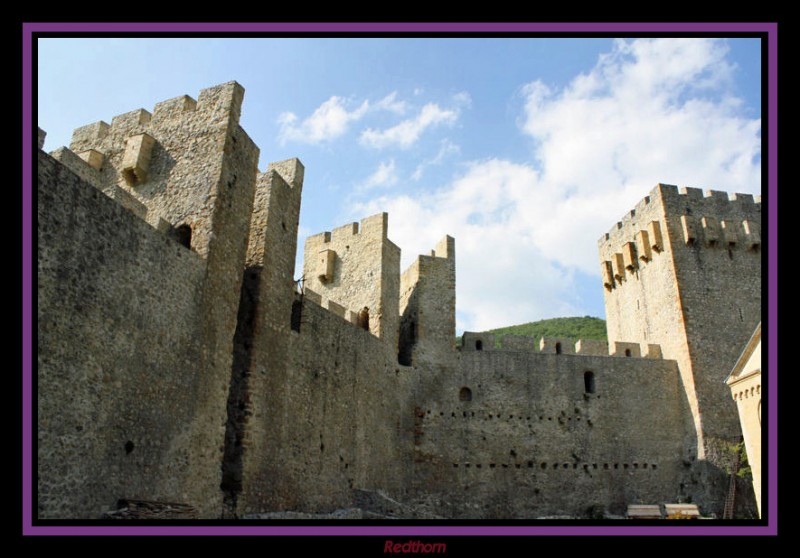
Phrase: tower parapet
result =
(714, 220)
(358, 268)
(674, 268)
(428, 306)
(178, 161)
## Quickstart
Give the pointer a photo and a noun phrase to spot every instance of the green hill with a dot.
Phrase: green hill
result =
(586, 327)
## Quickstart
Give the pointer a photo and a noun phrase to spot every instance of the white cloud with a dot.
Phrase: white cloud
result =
(501, 276)
(391, 103)
(328, 121)
(446, 148)
(650, 111)
(407, 132)
(383, 177)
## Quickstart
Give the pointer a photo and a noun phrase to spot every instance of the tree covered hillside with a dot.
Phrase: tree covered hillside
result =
(586, 327)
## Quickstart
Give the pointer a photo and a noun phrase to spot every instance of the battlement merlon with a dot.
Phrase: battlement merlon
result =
(292, 171)
(85, 166)
(445, 248)
(477, 341)
(686, 200)
(484, 341)
(220, 104)
(79, 165)
(42, 135)
(443, 254)
(670, 217)
(275, 217)
(374, 226)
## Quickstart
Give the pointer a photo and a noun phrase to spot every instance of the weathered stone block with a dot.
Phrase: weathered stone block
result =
(608, 274)
(591, 347)
(337, 309)
(477, 341)
(629, 256)
(327, 261)
(643, 246)
(312, 296)
(689, 229)
(557, 345)
(623, 349)
(93, 157)
(654, 232)
(136, 161)
(619, 266)
(752, 233)
(710, 230)
(730, 231)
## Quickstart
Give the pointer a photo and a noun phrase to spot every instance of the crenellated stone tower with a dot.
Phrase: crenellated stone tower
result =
(155, 267)
(683, 270)
(428, 307)
(356, 268)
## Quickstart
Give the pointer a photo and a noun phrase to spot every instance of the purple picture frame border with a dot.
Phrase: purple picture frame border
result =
(768, 28)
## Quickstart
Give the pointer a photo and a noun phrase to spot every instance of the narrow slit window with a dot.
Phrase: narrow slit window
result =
(588, 382)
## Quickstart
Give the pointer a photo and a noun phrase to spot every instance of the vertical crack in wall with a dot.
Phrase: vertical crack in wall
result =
(238, 407)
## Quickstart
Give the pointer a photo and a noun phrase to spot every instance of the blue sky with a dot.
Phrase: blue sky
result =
(525, 150)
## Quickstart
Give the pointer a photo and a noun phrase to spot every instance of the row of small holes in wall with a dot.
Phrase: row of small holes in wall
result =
(753, 391)
(465, 393)
(545, 466)
(469, 414)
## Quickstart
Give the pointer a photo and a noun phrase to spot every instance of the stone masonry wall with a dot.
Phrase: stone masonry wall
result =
(118, 377)
(338, 420)
(690, 283)
(428, 309)
(365, 271)
(517, 434)
(184, 163)
(176, 362)
(261, 345)
(200, 172)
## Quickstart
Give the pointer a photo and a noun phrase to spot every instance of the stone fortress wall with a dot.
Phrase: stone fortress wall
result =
(683, 268)
(180, 360)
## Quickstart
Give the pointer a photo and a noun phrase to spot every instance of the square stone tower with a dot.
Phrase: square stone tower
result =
(683, 269)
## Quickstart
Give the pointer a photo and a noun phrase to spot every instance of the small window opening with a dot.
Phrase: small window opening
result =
(183, 235)
(465, 394)
(558, 348)
(297, 313)
(478, 345)
(128, 447)
(627, 352)
(588, 382)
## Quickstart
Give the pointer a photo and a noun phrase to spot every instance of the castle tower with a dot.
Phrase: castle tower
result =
(357, 268)
(165, 313)
(263, 325)
(428, 306)
(683, 269)
(178, 162)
